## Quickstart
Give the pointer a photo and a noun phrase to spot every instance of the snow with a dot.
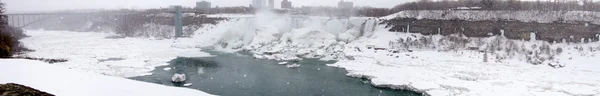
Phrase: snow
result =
(85, 49)
(62, 81)
(284, 37)
(187, 84)
(282, 63)
(435, 65)
(230, 15)
(463, 72)
(479, 15)
(167, 69)
(178, 78)
(295, 65)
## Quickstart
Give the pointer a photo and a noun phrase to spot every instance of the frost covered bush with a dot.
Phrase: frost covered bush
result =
(444, 43)
(452, 42)
(497, 48)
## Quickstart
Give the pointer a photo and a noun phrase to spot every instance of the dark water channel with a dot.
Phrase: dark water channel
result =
(231, 74)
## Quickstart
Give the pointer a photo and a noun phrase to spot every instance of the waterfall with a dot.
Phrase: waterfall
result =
(369, 25)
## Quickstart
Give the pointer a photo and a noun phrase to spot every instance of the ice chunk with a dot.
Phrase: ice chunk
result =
(178, 77)
(282, 62)
(187, 84)
(295, 65)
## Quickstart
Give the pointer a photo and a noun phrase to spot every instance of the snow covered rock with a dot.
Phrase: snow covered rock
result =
(177, 78)
(309, 38)
(348, 36)
(295, 65)
(264, 35)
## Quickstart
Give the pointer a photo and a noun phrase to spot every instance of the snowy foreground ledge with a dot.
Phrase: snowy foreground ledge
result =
(66, 82)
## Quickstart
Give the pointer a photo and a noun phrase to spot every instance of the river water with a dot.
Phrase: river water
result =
(234, 74)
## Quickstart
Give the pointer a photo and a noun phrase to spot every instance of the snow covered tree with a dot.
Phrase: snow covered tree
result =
(9, 36)
(5, 37)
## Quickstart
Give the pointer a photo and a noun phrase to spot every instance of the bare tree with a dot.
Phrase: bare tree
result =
(555, 5)
(488, 4)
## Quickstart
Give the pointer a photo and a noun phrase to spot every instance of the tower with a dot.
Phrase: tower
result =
(272, 4)
(257, 4)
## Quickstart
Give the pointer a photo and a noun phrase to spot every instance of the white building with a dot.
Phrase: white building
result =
(272, 4)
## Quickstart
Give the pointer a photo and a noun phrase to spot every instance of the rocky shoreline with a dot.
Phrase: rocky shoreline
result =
(13, 89)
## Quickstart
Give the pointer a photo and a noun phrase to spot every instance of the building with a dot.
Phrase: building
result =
(259, 4)
(272, 4)
(203, 5)
(285, 4)
(345, 8)
(345, 5)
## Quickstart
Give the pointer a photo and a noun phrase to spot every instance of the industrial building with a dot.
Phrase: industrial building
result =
(345, 5)
(263, 4)
(285, 4)
(203, 5)
(345, 8)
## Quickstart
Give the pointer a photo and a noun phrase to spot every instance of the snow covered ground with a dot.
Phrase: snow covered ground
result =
(121, 57)
(464, 73)
(62, 81)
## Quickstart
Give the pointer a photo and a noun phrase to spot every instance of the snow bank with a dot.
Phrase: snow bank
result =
(231, 15)
(457, 71)
(66, 82)
(480, 15)
(88, 51)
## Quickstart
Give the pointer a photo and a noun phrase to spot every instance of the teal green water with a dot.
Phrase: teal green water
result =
(231, 74)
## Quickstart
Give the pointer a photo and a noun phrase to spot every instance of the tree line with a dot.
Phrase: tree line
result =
(540, 5)
(537, 5)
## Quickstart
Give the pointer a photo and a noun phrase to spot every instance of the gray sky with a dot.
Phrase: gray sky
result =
(53, 5)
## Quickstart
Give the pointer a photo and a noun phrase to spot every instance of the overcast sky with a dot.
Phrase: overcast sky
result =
(52, 5)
